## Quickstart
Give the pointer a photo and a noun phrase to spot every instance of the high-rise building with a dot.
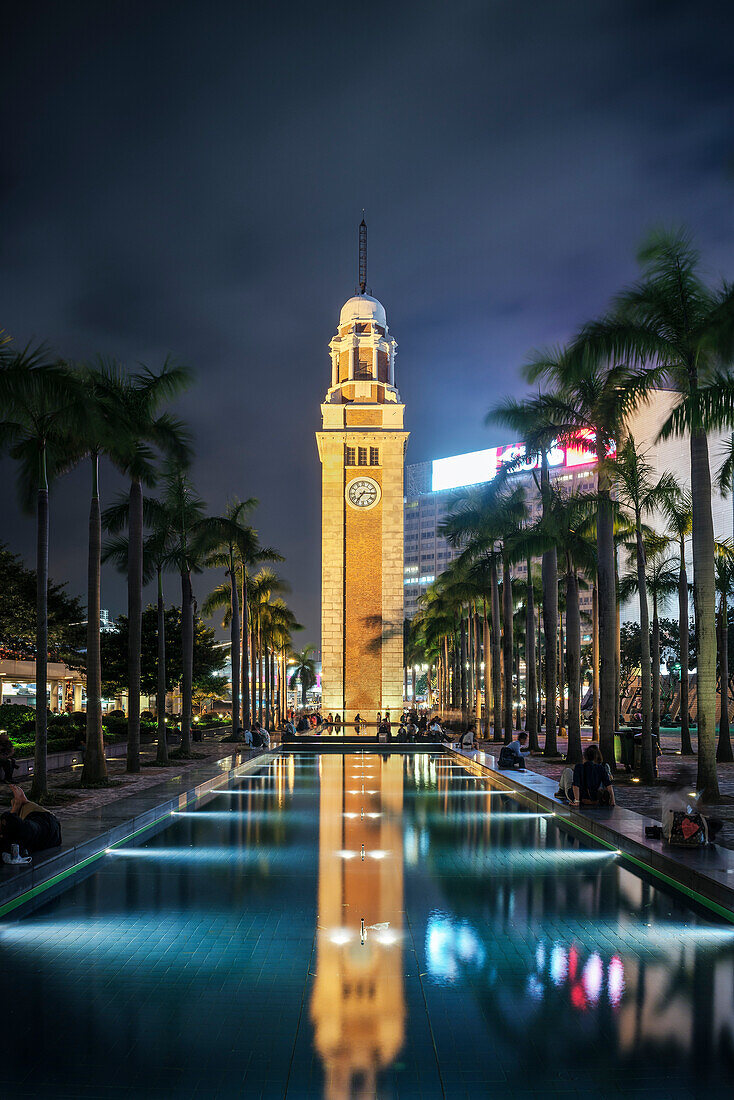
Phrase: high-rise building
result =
(362, 451)
(430, 490)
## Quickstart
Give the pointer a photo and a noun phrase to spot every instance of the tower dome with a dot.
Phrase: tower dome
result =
(362, 307)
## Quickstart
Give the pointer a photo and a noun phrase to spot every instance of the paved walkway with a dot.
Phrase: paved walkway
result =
(640, 797)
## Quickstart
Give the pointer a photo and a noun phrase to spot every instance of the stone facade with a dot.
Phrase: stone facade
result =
(362, 440)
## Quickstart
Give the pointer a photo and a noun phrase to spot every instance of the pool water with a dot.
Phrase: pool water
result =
(350, 925)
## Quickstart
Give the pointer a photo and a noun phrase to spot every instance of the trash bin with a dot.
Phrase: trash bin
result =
(626, 748)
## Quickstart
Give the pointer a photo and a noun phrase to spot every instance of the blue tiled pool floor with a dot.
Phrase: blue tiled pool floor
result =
(359, 925)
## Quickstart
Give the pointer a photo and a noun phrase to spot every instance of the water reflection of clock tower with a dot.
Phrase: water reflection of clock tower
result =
(362, 449)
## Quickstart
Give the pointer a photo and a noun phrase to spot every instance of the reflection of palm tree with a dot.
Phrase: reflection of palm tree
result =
(304, 671)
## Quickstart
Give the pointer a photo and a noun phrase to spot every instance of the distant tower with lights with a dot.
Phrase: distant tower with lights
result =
(362, 450)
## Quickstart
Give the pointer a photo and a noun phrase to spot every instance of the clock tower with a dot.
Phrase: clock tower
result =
(362, 450)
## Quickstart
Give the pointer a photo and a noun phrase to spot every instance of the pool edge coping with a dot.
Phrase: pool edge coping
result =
(126, 830)
(650, 857)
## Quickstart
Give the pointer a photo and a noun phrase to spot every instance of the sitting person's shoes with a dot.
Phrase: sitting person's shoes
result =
(14, 857)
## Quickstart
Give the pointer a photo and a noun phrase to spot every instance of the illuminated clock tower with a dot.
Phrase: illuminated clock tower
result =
(362, 449)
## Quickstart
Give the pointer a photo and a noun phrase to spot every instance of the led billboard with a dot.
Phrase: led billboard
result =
(480, 466)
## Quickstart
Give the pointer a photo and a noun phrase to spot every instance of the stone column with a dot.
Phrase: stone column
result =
(77, 695)
(54, 696)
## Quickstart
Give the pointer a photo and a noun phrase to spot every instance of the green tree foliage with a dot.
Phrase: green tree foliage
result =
(18, 614)
(209, 659)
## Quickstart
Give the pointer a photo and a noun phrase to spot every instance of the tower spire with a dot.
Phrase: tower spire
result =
(363, 256)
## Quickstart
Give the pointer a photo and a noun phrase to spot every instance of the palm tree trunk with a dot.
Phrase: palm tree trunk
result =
(617, 651)
(160, 699)
(135, 622)
(607, 676)
(39, 786)
(531, 683)
(573, 667)
(268, 685)
(655, 657)
(648, 765)
(234, 638)
(495, 645)
(723, 750)
(462, 666)
(187, 650)
(246, 696)
(704, 603)
(595, 680)
(561, 677)
(487, 668)
(260, 677)
(507, 645)
(686, 747)
(549, 577)
(95, 765)
(253, 670)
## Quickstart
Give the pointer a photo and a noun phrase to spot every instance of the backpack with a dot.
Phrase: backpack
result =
(506, 758)
(684, 830)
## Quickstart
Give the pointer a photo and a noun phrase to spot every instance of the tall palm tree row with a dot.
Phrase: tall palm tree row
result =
(56, 414)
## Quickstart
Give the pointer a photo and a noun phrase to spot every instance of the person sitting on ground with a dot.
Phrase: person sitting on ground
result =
(384, 731)
(435, 729)
(28, 825)
(511, 755)
(469, 737)
(8, 762)
(592, 780)
(303, 724)
(422, 724)
(257, 739)
(289, 731)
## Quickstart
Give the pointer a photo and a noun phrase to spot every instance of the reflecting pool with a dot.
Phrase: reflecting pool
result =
(351, 925)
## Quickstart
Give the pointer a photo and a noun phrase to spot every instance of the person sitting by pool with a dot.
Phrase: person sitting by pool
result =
(435, 729)
(7, 756)
(384, 732)
(511, 755)
(592, 781)
(303, 724)
(28, 825)
(289, 731)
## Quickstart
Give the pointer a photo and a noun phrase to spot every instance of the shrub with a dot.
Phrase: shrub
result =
(17, 718)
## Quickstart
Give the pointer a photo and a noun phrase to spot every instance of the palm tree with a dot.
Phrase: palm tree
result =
(194, 538)
(673, 323)
(530, 420)
(662, 583)
(724, 572)
(589, 401)
(158, 550)
(37, 397)
(677, 508)
(484, 521)
(568, 524)
(639, 495)
(233, 534)
(304, 671)
(143, 431)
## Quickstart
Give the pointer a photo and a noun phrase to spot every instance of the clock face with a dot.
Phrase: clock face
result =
(363, 492)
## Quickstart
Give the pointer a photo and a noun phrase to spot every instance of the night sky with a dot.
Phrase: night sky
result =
(187, 178)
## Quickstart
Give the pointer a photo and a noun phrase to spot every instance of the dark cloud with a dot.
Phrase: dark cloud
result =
(186, 178)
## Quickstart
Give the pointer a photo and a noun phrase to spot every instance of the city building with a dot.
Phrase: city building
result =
(430, 491)
(362, 451)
